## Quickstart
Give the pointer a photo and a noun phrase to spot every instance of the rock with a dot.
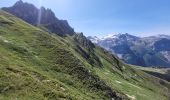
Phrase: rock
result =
(41, 17)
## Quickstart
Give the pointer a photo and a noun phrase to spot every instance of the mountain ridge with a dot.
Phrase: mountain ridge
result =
(135, 50)
(33, 15)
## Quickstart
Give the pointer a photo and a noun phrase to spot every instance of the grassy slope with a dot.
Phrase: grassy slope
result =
(162, 73)
(36, 65)
(157, 70)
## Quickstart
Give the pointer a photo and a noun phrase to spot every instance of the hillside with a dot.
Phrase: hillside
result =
(162, 73)
(142, 51)
(38, 65)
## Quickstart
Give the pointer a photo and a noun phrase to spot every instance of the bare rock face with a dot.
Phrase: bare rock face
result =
(44, 17)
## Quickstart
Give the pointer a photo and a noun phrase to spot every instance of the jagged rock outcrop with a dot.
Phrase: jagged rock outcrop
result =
(43, 17)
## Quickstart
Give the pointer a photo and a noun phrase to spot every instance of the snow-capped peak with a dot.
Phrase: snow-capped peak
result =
(111, 36)
(94, 39)
(115, 36)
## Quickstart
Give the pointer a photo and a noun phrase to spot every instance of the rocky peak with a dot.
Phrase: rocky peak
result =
(18, 3)
(47, 16)
(94, 39)
(125, 36)
(44, 17)
(82, 40)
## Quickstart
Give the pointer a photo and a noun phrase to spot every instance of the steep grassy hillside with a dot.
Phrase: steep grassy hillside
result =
(37, 65)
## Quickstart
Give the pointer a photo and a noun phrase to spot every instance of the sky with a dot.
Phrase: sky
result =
(102, 17)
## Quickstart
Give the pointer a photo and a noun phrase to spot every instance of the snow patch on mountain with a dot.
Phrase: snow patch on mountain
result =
(142, 51)
(166, 54)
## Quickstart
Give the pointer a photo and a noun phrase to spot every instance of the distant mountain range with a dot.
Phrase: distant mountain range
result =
(144, 51)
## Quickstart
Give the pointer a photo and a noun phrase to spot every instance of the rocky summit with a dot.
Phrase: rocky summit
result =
(42, 17)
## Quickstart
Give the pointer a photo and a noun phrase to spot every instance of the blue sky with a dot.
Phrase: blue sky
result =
(102, 17)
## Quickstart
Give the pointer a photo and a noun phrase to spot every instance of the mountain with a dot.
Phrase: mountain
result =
(146, 51)
(94, 39)
(41, 17)
(35, 64)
